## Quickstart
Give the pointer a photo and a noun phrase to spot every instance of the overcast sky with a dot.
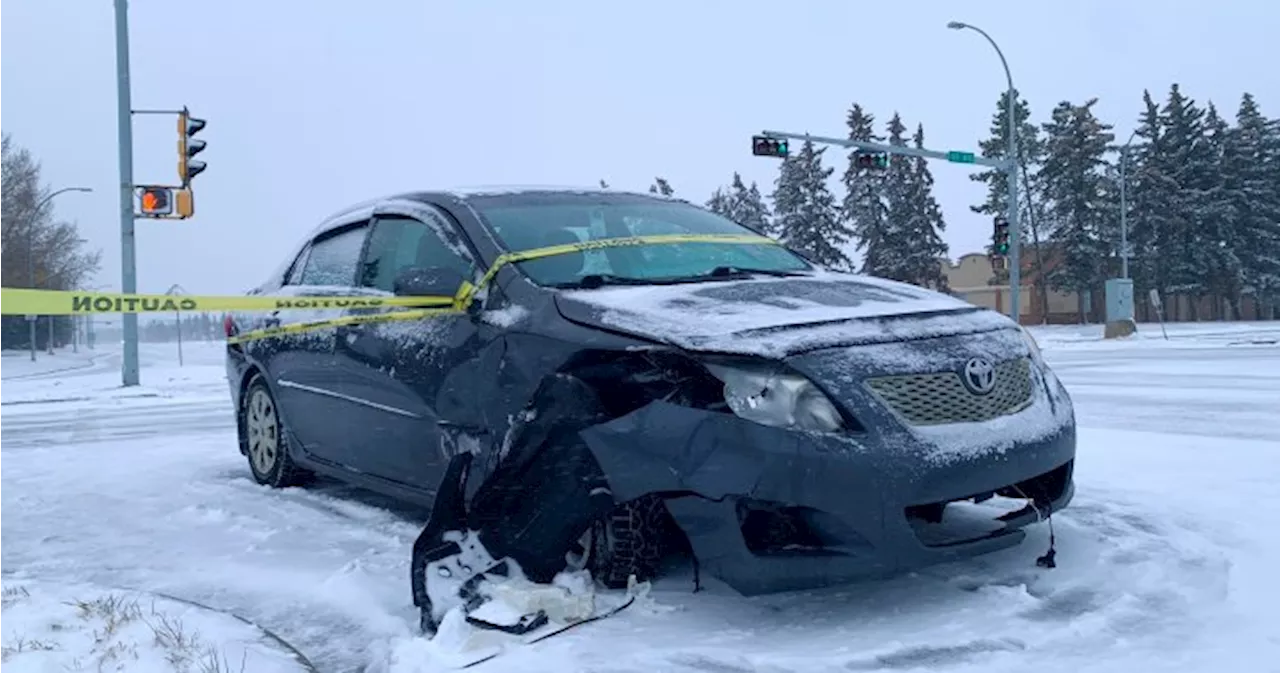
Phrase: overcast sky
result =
(316, 104)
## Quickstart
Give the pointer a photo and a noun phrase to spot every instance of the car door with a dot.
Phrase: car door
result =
(397, 370)
(302, 365)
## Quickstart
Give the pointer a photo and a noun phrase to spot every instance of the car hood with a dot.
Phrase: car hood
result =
(776, 317)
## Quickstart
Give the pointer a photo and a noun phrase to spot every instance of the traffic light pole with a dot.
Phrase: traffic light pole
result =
(128, 265)
(868, 146)
(1010, 166)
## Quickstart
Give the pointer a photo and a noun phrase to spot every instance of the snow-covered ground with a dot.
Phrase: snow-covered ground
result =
(1167, 558)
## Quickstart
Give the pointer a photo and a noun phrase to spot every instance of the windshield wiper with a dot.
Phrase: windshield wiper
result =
(595, 280)
(729, 271)
(592, 281)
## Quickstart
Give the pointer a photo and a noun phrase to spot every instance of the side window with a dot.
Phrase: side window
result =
(333, 259)
(294, 275)
(400, 242)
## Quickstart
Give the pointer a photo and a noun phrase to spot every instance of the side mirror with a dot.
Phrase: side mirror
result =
(420, 281)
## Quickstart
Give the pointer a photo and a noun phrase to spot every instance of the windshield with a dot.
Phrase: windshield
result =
(537, 220)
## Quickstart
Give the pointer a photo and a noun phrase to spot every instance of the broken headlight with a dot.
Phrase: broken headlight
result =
(769, 397)
(1032, 345)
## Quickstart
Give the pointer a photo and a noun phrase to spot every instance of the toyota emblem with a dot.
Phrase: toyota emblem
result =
(979, 376)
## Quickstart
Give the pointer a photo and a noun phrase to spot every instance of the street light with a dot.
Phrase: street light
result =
(1124, 207)
(1015, 229)
(31, 246)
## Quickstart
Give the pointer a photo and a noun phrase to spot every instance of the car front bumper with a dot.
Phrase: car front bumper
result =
(862, 501)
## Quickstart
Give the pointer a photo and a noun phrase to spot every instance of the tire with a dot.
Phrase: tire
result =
(266, 444)
(633, 539)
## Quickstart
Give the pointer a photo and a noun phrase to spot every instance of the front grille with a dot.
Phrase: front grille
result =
(941, 397)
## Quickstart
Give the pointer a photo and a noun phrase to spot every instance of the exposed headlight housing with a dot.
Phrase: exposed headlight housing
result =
(764, 395)
(1032, 344)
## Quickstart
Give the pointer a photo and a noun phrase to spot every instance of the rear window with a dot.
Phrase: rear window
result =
(537, 220)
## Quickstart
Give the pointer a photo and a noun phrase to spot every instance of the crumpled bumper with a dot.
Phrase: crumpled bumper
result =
(853, 494)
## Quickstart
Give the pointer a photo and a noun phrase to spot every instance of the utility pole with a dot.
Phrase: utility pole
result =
(124, 121)
(177, 316)
(1015, 225)
(1124, 206)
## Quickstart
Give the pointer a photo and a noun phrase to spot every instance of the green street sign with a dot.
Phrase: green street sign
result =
(960, 157)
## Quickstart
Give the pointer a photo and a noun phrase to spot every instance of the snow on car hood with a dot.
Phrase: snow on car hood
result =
(775, 317)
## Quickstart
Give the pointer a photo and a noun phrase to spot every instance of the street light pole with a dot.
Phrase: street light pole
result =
(1124, 206)
(1015, 228)
(31, 253)
(177, 315)
(124, 129)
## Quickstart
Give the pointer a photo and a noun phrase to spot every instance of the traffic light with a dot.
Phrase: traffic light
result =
(764, 146)
(184, 203)
(188, 146)
(875, 160)
(156, 201)
(1000, 237)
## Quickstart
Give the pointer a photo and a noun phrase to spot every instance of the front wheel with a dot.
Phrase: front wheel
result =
(630, 540)
(266, 444)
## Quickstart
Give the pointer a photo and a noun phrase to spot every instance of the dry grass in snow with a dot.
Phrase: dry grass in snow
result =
(93, 629)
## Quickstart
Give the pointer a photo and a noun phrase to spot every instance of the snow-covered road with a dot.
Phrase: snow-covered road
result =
(1167, 558)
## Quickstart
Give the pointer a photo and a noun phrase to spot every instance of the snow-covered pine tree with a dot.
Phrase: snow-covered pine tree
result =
(926, 252)
(1252, 160)
(1187, 158)
(748, 206)
(786, 196)
(719, 203)
(864, 210)
(661, 187)
(807, 216)
(1031, 202)
(1151, 193)
(1226, 272)
(1075, 146)
(900, 201)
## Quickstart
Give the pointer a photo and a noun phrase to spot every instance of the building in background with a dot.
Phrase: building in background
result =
(974, 279)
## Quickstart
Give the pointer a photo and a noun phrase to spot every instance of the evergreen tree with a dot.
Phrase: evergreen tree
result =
(1226, 272)
(864, 209)
(1252, 163)
(807, 216)
(748, 206)
(1031, 204)
(1189, 160)
(661, 187)
(742, 204)
(719, 203)
(1151, 192)
(926, 251)
(1075, 146)
(900, 203)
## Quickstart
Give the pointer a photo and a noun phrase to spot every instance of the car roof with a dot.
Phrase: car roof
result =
(364, 209)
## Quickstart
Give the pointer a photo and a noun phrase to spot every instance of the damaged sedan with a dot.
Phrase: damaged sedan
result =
(623, 376)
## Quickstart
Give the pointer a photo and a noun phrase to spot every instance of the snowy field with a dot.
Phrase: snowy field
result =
(1167, 559)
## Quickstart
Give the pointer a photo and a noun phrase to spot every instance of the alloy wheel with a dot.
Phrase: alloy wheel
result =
(263, 429)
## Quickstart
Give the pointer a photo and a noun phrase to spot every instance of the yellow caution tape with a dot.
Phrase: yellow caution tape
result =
(14, 301)
(299, 327)
(467, 291)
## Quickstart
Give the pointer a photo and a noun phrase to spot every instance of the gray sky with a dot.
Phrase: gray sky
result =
(315, 104)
